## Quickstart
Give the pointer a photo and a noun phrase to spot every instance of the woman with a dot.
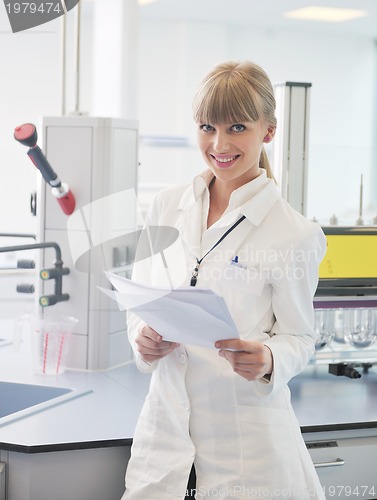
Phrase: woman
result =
(228, 410)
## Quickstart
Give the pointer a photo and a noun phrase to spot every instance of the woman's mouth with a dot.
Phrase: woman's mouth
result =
(224, 161)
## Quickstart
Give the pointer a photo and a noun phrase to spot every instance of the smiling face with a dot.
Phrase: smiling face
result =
(234, 107)
(232, 151)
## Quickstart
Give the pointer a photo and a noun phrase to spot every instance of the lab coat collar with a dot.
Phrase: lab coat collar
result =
(257, 208)
(254, 199)
(201, 182)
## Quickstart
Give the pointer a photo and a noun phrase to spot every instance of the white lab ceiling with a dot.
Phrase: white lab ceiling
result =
(265, 13)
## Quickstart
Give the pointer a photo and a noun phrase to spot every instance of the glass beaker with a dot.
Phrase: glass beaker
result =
(324, 327)
(339, 325)
(360, 326)
(51, 340)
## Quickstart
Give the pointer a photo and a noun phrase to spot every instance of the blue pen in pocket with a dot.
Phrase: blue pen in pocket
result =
(235, 262)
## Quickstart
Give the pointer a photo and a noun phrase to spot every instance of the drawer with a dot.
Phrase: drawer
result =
(346, 467)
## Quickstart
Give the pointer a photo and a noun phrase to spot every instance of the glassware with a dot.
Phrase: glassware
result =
(50, 341)
(324, 327)
(339, 326)
(360, 326)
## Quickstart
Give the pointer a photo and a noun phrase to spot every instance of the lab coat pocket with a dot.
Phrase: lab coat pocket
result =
(270, 452)
(247, 279)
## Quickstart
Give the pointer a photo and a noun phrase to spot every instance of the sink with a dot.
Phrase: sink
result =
(21, 400)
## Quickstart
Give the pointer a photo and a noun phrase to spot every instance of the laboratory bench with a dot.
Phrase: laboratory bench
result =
(73, 446)
(79, 447)
(338, 420)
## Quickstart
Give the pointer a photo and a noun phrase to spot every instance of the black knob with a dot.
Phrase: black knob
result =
(25, 288)
(50, 300)
(33, 203)
(25, 264)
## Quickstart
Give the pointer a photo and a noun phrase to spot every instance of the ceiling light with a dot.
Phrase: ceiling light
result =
(145, 2)
(326, 14)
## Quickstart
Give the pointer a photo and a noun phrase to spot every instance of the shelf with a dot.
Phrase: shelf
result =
(337, 353)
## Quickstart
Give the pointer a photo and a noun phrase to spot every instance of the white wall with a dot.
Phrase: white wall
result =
(342, 70)
(341, 111)
(173, 56)
(29, 83)
(30, 88)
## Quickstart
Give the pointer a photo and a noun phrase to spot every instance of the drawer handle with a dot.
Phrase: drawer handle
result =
(334, 463)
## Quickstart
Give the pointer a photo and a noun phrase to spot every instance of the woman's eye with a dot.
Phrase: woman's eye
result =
(206, 128)
(238, 127)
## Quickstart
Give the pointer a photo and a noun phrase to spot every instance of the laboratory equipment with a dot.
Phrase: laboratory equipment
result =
(289, 154)
(340, 428)
(98, 158)
(360, 220)
(56, 273)
(360, 329)
(348, 288)
(324, 326)
(51, 339)
(27, 135)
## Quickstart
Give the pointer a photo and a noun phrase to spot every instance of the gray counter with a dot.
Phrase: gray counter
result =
(324, 402)
(107, 415)
(93, 432)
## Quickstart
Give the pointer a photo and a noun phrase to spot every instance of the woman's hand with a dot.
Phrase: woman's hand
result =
(151, 346)
(250, 359)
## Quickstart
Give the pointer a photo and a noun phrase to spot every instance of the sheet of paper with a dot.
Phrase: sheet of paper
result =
(195, 316)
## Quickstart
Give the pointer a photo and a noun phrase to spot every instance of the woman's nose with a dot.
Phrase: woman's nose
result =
(221, 142)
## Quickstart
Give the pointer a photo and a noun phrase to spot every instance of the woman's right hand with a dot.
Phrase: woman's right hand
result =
(151, 345)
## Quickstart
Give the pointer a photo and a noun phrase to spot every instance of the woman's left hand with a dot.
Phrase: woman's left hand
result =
(250, 359)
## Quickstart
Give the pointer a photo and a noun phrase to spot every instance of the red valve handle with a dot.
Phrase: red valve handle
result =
(67, 203)
(26, 134)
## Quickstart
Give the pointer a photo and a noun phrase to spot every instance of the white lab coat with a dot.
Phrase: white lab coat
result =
(242, 436)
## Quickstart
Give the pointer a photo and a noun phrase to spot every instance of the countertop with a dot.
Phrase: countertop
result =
(324, 402)
(107, 415)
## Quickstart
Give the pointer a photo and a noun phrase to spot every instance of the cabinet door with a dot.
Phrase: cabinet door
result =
(347, 470)
(95, 474)
(2, 480)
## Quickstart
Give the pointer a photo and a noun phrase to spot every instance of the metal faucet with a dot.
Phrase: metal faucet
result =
(56, 273)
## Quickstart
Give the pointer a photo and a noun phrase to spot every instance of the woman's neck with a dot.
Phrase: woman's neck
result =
(219, 197)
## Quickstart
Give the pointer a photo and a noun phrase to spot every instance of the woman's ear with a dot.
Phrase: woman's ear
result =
(270, 134)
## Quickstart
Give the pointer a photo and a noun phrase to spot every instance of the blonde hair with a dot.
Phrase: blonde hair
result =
(234, 92)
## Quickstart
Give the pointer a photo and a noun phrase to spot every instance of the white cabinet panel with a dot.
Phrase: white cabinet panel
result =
(346, 467)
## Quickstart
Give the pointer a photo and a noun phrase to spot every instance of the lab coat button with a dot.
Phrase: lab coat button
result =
(182, 358)
(186, 405)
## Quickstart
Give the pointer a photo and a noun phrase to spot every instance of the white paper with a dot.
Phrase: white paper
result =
(196, 316)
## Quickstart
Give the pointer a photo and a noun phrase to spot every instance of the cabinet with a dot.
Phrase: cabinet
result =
(2, 480)
(87, 474)
(338, 418)
(346, 463)
(97, 157)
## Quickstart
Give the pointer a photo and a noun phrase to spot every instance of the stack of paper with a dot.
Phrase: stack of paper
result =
(195, 316)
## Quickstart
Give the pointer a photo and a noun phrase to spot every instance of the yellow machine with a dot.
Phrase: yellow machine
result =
(350, 264)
